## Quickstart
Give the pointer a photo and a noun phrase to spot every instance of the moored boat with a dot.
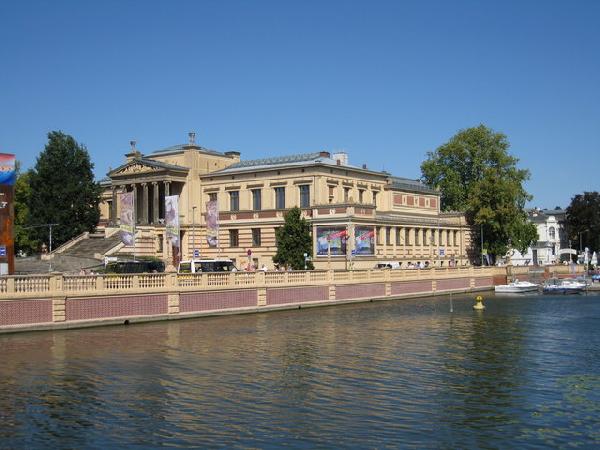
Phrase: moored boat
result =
(565, 286)
(516, 287)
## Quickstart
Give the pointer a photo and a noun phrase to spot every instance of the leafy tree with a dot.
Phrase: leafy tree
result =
(63, 190)
(293, 240)
(583, 220)
(23, 235)
(475, 174)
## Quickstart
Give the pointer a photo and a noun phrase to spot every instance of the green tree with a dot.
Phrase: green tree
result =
(475, 174)
(293, 240)
(583, 220)
(23, 235)
(63, 191)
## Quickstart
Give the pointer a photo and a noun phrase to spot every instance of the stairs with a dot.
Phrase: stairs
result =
(95, 246)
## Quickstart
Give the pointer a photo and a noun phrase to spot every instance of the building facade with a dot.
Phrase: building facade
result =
(358, 216)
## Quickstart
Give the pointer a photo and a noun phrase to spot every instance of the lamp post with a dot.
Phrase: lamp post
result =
(193, 232)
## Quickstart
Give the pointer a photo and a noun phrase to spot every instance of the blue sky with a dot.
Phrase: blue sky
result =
(384, 81)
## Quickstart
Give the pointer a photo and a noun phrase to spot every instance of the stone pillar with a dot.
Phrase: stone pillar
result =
(113, 207)
(167, 188)
(155, 206)
(145, 203)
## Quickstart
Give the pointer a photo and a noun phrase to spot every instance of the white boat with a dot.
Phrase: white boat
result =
(516, 287)
(565, 286)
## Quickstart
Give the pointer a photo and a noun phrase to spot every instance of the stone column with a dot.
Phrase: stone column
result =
(155, 206)
(167, 188)
(145, 204)
(113, 207)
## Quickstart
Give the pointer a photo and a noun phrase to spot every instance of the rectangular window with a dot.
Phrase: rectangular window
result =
(346, 194)
(255, 237)
(280, 197)
(361, 195)
(374, 198)
(234, 238)
(331, 194)
(256, 199)
(234, 201)
(212, 197)
(304, 195)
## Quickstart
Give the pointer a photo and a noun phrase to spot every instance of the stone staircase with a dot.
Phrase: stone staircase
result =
(95, 246)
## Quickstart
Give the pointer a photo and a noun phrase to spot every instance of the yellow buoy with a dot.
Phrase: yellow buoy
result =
(479, 303)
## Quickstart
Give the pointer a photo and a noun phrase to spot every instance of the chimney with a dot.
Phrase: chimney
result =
(192, 138)
(324, 154)
(342, 157)
(338, 162)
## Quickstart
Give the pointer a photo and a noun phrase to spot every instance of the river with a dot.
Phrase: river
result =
(410, 373)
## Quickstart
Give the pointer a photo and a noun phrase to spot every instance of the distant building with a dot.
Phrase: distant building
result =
(358, 216)
(552, 239)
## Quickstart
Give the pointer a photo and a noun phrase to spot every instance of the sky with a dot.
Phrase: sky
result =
(385, 82)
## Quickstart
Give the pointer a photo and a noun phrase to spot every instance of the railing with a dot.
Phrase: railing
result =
(58, 284)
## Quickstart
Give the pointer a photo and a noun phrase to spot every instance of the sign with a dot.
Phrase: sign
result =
(442, 251)
(2, 250)
(212, 223)
(196, 253)
(8, 174)
(127, 225)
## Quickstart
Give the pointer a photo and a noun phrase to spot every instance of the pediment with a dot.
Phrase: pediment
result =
(134, 168)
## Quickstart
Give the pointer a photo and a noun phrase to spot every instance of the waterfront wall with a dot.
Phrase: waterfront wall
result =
(61, 301)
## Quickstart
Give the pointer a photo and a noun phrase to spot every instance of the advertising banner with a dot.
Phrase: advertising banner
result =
(8, 175)
(127, 225)
(333, 238)
(172, 219)
(212, 223)
(364, 240)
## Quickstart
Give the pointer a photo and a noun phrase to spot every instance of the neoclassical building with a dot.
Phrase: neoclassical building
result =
(358, 216)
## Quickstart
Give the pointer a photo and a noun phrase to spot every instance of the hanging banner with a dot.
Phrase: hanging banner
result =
(364, 240)
(8, 175)
(331, 240)
(172, 219)
(127, 225)
(212, 223)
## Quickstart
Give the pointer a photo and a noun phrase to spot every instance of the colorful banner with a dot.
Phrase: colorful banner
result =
(8, 174)
(364, 240)
(212, 223)
(127, 225)
(331, 240)
(172, 219)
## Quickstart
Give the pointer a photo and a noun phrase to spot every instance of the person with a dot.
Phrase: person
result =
(264, 268)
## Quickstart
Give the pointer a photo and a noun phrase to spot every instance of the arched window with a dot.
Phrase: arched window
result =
(552, 233)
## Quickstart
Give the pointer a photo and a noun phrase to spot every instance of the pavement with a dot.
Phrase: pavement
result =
(60, 263)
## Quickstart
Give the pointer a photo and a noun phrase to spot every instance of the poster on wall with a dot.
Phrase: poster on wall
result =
(127, 225)
(331, 237)
(8, 174)
(212, 223)
(364, 240)
(172, 219)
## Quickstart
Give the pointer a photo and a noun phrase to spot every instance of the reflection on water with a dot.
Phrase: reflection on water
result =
(408, 373)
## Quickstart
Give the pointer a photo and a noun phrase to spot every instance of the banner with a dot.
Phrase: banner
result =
(7, 169)
(212, 223)
(364, 240)
(127, 225)
(331, 240)
(172, 219)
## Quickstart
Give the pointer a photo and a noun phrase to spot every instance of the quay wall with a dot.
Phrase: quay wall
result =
(56, 301)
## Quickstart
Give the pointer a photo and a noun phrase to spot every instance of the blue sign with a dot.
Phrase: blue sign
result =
(442, 252)
(196, 253)
(2, 250)
(353, 252)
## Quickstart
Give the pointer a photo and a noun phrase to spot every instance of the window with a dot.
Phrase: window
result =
(346, 194)
(331, 194)
(378, 231)
(361, 195)
(552, 233)
(280, 197)
(417, 236)
(234, 238)
(255, 237)
(212, 197)
(375, 199)
(304, 195)
(234, 201)
(256, 200)
(388, 236)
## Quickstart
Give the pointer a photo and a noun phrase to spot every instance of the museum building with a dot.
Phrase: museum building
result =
(358, 216)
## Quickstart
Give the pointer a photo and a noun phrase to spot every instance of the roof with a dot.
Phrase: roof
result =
(411, 185)
(288, 160)
(181, 147)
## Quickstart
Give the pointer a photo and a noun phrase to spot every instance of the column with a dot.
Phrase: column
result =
(145, 203)
(113, 207)
(167, 188)
(155, 202)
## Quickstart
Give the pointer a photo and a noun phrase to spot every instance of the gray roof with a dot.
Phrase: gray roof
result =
(180, 147)
(411, 185)
(299, 159)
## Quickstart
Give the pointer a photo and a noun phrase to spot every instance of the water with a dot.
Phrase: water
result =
(522, 374)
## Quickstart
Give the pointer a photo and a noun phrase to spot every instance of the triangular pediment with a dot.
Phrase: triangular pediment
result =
(145, 166)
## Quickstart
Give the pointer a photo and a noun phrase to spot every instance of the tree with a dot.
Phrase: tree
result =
(583, 220)
(475, 174)
(293, 241)
(23, 235)
(63, 191)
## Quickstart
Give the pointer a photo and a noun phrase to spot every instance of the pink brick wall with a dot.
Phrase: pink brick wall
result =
(411, 287)
(17, 312)
(458, 283)
(100, 307)
(484, 282)
(207, 301)
(346, 292)
(297, 295)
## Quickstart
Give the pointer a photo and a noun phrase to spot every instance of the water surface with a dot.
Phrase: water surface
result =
(410, 373)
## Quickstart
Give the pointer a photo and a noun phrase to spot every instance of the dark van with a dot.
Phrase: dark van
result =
(135, 267)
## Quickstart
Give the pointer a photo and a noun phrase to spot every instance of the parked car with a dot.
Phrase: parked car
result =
(142, 266)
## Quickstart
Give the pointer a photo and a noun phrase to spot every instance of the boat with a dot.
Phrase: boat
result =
(516, 287)
(564, 286)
